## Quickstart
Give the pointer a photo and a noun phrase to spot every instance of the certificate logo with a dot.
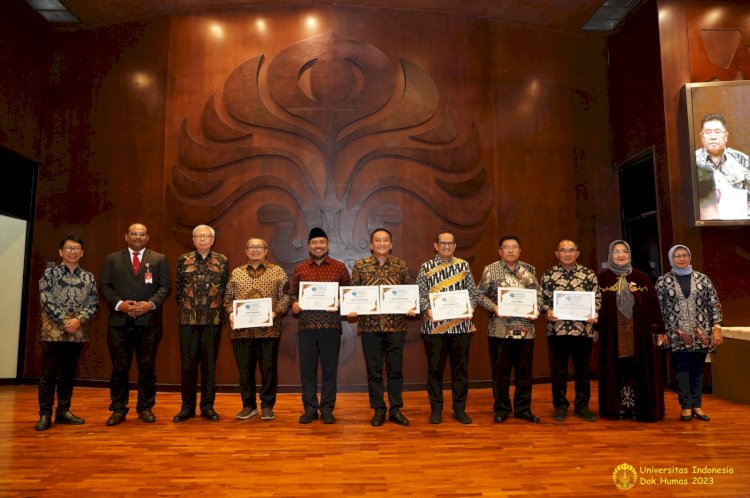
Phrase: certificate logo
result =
(624, 476)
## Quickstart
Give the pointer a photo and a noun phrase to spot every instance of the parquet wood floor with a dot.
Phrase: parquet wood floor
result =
(283, 458)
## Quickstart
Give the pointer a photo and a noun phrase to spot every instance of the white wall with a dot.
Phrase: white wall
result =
(12, 246)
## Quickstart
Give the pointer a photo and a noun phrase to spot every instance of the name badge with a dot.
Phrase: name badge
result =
(149, 276)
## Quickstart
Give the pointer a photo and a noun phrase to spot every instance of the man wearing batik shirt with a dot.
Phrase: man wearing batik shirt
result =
(383, 335)
(569, 338)
(444, 338)
(258, 345)
(511, 339)
(68, 298)
(201, 279)
(731, 167)
(319, 332)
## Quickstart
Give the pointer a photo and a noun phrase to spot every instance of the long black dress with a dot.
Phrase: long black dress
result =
(633, 385)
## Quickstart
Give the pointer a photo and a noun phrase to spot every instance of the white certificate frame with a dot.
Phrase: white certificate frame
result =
(322, 296)
(450, 305)
(361, 299)
(252, 313)
(399, 299)
(516, 302)
(563, 311)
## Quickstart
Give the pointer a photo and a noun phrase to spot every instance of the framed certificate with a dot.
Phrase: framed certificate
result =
(450, 304)
(573, 305)
(514, 301)
(362, 299)
(319, 296)
(399, 299)
(249, 313)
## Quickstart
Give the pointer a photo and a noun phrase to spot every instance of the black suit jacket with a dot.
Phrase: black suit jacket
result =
(119, 284)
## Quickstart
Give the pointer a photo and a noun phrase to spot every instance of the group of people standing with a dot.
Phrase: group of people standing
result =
(633, 320)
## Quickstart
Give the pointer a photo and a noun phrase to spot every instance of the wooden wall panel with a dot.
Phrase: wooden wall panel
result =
(360, 118)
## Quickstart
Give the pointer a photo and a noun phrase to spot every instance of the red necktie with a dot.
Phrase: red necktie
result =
(136, 263)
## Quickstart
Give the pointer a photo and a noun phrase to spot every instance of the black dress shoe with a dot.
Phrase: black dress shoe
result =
(460, 416)
(436, 417)
(702, 417)
(307, 417)
(116, 418)
(686, 418)
(560, 414)
(67, 417)
(528, 416)
(44, 423)
(327, 418)
(183, 415)
(378, 418)
(147, 416)
(398, 418)
(210, 414)
(500, 417)
(585, 414)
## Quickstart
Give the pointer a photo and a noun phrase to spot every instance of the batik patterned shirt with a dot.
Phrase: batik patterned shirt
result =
(369, 271)
(437, 275)
(499, 274)
(268, 280)
(66, 294)
(330, 270)
(578, 278)
(200, 288)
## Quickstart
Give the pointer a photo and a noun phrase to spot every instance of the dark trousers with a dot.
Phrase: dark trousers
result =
(199, 347)
(688, 373)
(438, 348)
(561, 348)
(59, 364)
(378, 346)
(262, 352)
(314, 346)
(122, 343)
(516, 355)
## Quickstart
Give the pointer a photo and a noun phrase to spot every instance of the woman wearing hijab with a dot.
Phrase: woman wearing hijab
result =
(630, 330)
(692, 315)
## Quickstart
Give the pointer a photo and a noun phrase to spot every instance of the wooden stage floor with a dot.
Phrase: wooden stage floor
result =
(283, 458)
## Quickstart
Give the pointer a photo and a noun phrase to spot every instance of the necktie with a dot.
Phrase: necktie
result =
(136, 263)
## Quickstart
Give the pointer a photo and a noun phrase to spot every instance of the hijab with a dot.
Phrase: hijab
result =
(680, 271)
(625, 299)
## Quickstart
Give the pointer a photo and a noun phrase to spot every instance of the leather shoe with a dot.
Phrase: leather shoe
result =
(460, 416)
(436, 417)
(378, 418)
(147, 416)
(327, 418)
(210, 414)
(702, 417)
(308, 417)
(686, 418)
(585, 414)
(560, 414)
(183, 415)
(528, 416)
(67, 417)
(500, 417)
(116, 418)
(44, 423)
(398, 418)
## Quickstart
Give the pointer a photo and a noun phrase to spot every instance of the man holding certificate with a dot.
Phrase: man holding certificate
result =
(570, 300)
(319, 326)
(256, 298)
(508, 289)
(447, 289)
(383, 335)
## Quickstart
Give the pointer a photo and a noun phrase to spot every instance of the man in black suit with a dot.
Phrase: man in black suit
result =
(134, 283)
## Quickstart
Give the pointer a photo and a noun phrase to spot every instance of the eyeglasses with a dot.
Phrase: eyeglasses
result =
(137, 234)
(256, 247)
(567, 250)
(617, 251)
(713, 132)
(203, 236)
(72, 249)
(680, 256)
(446, 244)
(510, 248)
